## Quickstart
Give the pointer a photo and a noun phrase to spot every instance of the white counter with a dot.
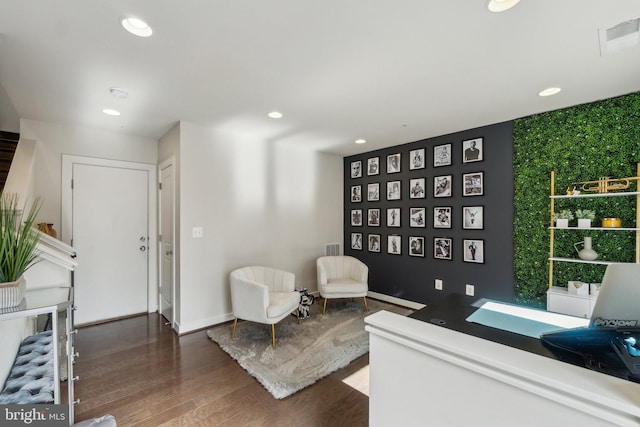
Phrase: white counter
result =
(423, 374)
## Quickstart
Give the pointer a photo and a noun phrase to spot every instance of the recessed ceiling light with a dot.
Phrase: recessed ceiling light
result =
(136, 27)
(549, 91)
(111, 112)
(275, 115)
(360, 141)
(501, 5)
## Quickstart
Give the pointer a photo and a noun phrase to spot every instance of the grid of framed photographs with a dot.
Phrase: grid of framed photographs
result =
(408, 219)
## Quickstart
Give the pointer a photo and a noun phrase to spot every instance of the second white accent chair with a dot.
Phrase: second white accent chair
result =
(264, 295)
(342, 277)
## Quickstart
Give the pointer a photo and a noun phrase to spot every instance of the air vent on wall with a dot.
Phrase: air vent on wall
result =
(619, 37)
(332, 249)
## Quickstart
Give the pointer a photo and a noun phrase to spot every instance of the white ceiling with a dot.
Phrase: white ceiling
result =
(388, 71)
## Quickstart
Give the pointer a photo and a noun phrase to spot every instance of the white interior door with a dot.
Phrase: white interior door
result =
(110, 233)
(166, 242)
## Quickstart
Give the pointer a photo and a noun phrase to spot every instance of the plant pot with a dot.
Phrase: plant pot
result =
(562, 223)
(11, 293)
(584, 223)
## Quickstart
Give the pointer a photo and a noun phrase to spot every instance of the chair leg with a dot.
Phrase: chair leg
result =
(273, 335)
(298, 315)
(324, 307)
(233, 331)
(366, 307)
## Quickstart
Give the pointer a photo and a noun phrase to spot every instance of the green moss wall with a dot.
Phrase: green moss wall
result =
(579, 143)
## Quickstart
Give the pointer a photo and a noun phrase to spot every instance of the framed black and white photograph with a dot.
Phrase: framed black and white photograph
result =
(472, 150)
(417, 217)
(373, 217)
(356, 241)
(474, 251)
(373, 166)
(394, 243)
(416, 246)
(442, 186)
(393, 163)
(393, 217)
(473, 217)
(417, 159)
(356, 193)
(416, 188)
(472, 184)
(356, 169)
(442, 248)
(356, 217)
(393, 190)
(441, 155)
(442, 217)
(374, 242)
(373, 192)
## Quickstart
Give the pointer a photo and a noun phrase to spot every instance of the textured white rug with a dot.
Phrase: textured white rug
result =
(304, 352)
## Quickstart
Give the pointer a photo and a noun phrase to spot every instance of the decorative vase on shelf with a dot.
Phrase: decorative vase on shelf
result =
(562, 223)
(584, 223)
(586, 253)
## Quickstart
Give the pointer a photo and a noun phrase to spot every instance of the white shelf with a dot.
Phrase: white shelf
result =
(588, 195)
(597, 228)
(582, 261)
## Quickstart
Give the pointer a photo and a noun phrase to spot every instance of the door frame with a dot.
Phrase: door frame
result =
(66, 224)
(171, 161)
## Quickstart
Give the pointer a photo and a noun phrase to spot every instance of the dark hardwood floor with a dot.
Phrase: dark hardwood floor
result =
(142, 373)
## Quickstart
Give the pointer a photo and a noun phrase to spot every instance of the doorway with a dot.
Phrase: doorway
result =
(166, 199)
(108, 211)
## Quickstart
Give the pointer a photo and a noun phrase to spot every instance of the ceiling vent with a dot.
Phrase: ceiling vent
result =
(619, 37)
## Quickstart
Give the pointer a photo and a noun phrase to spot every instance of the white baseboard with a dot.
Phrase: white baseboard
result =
(206, 323)
(396, 301)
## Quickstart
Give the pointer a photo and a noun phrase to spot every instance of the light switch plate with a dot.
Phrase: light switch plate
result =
(470, 290)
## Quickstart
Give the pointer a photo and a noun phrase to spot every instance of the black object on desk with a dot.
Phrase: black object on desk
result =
(452, 311)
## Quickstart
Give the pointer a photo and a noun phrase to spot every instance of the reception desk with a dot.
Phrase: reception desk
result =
(435, 368)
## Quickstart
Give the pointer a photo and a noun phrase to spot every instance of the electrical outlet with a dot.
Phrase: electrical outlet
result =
(438, 284)
(197, 232)
(470, 290)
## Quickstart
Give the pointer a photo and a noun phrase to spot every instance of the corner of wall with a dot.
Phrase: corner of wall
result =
(20, 178)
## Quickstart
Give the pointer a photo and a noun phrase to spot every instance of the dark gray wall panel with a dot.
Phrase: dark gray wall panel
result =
(410, 277)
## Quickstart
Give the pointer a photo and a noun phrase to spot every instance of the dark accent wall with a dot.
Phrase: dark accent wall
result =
(412, 277)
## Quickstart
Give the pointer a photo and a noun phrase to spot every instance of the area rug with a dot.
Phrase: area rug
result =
(304, 352)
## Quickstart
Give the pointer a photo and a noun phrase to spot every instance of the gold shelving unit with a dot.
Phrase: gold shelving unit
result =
(605, 187)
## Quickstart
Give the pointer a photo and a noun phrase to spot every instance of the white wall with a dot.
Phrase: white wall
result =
(9, 118)
(259, 202)
(53, 140)
(20, 177)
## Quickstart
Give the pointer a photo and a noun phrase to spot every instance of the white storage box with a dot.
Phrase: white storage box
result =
(577, 287)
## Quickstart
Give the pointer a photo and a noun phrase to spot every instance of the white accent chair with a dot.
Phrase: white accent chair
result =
(264, 295)
(342, 277)
(619, 295)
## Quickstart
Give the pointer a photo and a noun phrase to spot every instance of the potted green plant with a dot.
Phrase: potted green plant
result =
(585, 216)
(562, 218)
(18, 241)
